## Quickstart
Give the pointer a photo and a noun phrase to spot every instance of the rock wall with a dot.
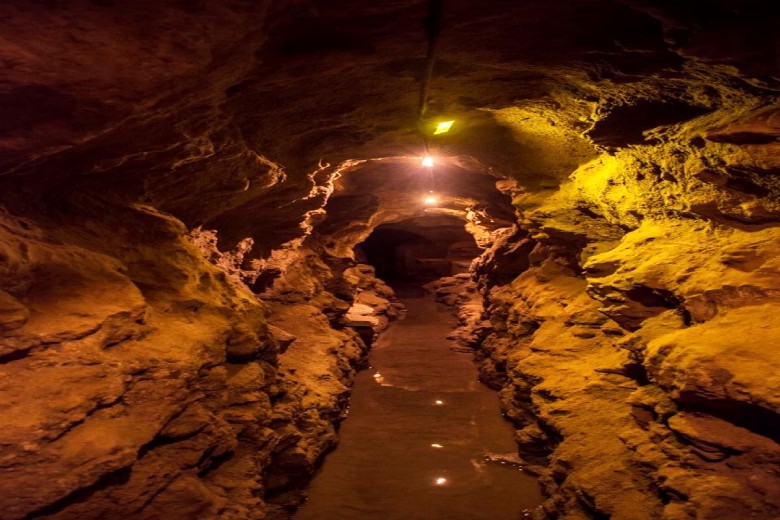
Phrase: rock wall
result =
(135, 380)
(634, 343)
(146, 382)
(329, 339)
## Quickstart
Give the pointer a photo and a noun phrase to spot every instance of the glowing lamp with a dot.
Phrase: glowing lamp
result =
(430, 200)
(427, 161)
(441, 481)
(443, 127)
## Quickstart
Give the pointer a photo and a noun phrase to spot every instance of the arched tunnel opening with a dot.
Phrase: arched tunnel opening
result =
(411, 259)
(419, 250)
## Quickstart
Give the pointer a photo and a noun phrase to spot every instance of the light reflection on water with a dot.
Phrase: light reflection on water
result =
(422, 443)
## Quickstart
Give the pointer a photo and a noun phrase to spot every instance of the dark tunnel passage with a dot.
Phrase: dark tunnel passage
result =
(419, 250)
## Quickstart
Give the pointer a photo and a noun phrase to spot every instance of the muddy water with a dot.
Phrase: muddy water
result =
(419, 427)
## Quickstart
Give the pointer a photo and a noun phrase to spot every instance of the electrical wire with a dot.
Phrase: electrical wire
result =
(433, 23)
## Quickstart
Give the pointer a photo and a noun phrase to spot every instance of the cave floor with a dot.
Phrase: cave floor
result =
(420, 394)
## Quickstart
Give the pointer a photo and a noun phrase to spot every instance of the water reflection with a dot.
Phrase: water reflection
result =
(391, 463)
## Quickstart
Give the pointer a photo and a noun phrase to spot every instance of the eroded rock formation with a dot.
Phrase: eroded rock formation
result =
(183, 186)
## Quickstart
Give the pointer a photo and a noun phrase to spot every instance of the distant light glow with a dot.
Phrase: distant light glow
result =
(436, 445)
(443, 127)
(430, 200)
(439, 402)
(427, 161)
(377, 375)
(440, 481)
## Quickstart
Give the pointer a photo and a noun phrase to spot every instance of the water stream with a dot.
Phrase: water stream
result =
(420, 426)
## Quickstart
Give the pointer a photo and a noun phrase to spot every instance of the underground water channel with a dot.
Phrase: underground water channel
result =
(424, 440)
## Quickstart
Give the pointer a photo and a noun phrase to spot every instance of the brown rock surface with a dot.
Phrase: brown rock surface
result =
(186, 188)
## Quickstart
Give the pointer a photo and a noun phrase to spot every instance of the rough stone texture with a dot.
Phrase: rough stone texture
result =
(114, 379)
(183, 184)
(461, 292)
(316, 372)
(623, 354)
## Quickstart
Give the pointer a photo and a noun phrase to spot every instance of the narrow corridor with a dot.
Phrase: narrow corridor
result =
(420, 426)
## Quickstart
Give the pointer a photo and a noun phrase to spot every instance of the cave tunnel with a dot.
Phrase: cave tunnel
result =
(419, 251)
(212, 213)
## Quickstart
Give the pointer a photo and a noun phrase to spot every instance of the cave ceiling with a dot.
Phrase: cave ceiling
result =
(222, 114)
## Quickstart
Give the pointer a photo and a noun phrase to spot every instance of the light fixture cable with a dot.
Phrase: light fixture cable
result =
(433, 27)
(433, 23)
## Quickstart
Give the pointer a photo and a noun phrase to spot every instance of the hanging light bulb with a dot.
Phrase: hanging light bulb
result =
(427, 161)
